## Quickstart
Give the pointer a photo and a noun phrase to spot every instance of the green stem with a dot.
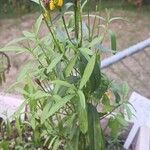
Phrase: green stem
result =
(93, 28)
(65, 26)
(76, 19)
(78, 22)
(55, 41)
(98, 32)
(31, 51)
(40, 45)
(89, 22)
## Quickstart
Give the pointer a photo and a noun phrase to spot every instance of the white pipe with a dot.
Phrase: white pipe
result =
(123, 54)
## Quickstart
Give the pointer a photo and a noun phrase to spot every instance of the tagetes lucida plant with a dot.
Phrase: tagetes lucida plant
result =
(64, 84)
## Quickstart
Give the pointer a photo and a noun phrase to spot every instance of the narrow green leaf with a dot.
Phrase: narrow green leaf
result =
(83, 119)
(39, 3)
(63, 83)
(96, 41)
(52, 141)
(66, 7)
(113, 41)
(83, 5)
(128, 110)
(39, 95)
(96, 139)
(117, 18)
(125, 89)
(56, 144)
(13, 49)
(82, 99)
(88, 71)
(38, 24)
(24, 72)
(49, 112)
(54, 62)
(16, 41)
(75, 140)
(86, 50)
(114, 125)
(70, 66)
(35, 1)
(28, 34)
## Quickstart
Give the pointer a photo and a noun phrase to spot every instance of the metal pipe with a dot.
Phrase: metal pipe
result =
(125, 53)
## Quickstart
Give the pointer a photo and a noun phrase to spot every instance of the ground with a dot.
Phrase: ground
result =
(128, 33)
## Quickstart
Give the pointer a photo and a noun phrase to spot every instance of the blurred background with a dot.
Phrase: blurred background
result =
(19, 15)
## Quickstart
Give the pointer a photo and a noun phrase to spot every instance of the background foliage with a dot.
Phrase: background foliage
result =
(9, 8)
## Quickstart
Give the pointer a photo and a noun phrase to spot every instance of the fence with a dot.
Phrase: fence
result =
(132, 66)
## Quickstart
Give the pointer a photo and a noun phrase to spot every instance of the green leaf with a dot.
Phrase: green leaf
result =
(96, 41)
(29, 35)
(116, 18)
(83, 119)
(88, 71)
(24, 72)
(125, 90)
(86, 52)
(82, 99)
(82, 112)
(113, 41)
(40, 95)
(63, 83)
(56, 144)
(52, 141)
(70, 66)
(4, 145)
(54, 62)
(75, 140)
(114, 125)
(66, 7)
(83, 5)
(95, 79)
(48, 112)
(121, 120)
(85, 30)
(13, 49)
(16, 41)
(128, 108)
(35, 1)
(39, 3)
(38, 24)
(96, 139)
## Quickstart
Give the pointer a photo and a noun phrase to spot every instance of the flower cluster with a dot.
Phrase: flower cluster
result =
(52, 4)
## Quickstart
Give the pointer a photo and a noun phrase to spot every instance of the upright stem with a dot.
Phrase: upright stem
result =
(65, 26)
(98, 32)
(78, 21)
(93, 28)
(89, 21)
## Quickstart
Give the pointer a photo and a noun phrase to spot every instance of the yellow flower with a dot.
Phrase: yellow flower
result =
(51, 5)
(55, 3)
(60, 3)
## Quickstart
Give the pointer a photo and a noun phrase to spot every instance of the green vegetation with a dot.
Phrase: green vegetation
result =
(4, 66)
(14, 8)
(10, 8)
(63, 84)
